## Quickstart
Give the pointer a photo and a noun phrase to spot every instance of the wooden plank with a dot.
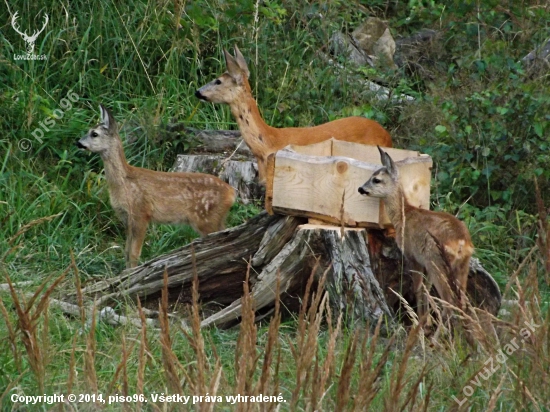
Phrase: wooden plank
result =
(322, 225)
(335, 222)
(323, 148)
(313, 221)
(270, 166)
(362, 152)
(314, 186)
(368, 153)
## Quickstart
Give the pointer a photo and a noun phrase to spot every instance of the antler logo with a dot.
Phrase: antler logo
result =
(30, 40)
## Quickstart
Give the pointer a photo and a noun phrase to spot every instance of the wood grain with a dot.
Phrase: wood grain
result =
(302, 184)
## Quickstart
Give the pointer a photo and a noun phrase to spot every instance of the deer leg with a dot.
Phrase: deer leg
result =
(439, 278)
(135, 235)
(129, 240)
(262, 172)
(205, 227)
(417, 278)
(417, 275)
(461, 270)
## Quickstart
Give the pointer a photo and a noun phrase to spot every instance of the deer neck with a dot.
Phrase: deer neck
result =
(255, 132)
(116, 166)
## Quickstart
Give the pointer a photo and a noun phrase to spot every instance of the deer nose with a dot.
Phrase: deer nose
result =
(80, 145)
(199, 95)
(362, 191)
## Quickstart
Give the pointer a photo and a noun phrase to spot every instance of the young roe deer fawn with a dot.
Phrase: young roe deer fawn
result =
(436, 243)
(140, 196)
(233, 88)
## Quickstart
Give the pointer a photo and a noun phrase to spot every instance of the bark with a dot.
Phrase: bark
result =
(361, 264)
(221, 153)
(242, 175)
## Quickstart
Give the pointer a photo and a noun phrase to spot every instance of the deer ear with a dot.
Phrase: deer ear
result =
(388, 163)
(241, 62)
(233, 67)
(106, 118)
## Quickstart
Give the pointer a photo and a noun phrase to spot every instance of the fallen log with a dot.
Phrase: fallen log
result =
(362, 265)
(106, 315)
(209, 141)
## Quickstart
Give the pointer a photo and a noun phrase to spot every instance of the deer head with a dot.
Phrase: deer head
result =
(231, 85)
(384, 181)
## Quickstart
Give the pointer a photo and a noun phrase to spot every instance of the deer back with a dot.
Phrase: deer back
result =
(198, 199)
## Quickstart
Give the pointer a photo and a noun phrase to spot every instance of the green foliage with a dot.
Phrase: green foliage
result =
(481, 113)
(490, 137)
(493, 143)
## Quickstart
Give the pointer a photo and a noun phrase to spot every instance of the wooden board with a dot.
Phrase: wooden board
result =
(326, 187)
(361, 152)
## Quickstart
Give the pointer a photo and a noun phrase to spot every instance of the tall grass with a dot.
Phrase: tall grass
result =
(144, 60)
(145, 63)
(305, 363)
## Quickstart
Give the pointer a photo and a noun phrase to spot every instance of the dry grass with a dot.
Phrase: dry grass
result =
(543, 228)
(319, 364)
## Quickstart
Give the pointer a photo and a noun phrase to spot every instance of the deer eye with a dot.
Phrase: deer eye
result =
(376, 180)
(94, 134)
(217, 81)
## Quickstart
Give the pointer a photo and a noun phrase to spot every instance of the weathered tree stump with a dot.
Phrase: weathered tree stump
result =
(241, 174)
(221, 153)
(362, 265)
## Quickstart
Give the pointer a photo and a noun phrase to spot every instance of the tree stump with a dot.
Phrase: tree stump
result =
(242, 175)
(361, 264)
(220, 153)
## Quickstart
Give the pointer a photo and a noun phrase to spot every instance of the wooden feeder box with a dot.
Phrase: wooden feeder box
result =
(321, 181)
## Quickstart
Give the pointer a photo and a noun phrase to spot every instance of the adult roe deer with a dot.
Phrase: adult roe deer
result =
(233, 88)
(436, 243)
(140, 196)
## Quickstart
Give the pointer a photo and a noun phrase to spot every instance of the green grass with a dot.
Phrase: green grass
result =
(480, 113)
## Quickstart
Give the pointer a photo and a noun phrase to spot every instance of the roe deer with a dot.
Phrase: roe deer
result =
(140, 196)
(233, 88)
(436, 243)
